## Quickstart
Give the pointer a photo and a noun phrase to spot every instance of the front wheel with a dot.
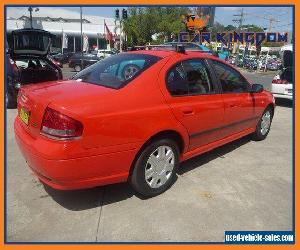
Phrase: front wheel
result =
(263, 126)
(155, 168)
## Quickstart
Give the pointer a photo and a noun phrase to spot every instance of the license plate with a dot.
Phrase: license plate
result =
(24, 115)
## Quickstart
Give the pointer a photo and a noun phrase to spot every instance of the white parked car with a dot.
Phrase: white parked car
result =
(282, 84)
(103, 53)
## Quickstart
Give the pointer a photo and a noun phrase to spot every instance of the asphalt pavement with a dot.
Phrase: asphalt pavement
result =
(244, 185)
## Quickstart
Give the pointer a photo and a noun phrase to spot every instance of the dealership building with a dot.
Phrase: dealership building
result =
(93, 27)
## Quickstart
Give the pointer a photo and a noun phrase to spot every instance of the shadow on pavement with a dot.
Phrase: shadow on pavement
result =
(198, 161)
(78, 200)
(284, 102)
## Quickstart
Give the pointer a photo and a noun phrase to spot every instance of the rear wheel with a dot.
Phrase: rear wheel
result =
(155, 168)
(77, 68)
(263, 126)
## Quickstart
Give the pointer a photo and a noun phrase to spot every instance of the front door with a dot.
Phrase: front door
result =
(239, 103)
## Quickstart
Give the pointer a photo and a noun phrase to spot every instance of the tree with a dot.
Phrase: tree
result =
(230, 28)
(143, 23)
(252, 28)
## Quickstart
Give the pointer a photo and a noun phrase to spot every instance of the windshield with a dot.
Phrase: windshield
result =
(116, 71)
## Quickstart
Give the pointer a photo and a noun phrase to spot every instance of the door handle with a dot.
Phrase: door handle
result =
(187, 111)
(232, 105)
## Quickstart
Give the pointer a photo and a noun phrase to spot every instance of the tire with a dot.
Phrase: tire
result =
(129, 71)
(159, 177)
(77, 68)
(263, 126)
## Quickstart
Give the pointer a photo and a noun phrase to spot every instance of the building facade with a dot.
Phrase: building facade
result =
(92, 28)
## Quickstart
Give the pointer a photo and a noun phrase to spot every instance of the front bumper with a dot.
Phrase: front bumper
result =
(74, 173)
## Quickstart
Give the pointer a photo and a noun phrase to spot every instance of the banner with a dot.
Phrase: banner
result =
(85, 43)
(64, 40)
(107, 32)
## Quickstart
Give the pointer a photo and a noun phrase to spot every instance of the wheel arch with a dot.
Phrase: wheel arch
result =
(272, 107)
(170, 134)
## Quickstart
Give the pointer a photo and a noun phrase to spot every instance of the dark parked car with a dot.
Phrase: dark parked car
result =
(13, 83)
(63, 58)
(79, 61)
(250, 63)
(29, 58)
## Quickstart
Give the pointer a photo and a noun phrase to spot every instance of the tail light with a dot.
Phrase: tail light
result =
(59, 126)
(279, 81)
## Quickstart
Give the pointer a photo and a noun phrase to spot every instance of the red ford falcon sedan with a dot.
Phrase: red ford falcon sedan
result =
(134, 117)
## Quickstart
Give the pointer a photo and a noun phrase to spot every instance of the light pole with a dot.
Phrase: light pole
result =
(121, 19)
(81, 39)
(30, 9)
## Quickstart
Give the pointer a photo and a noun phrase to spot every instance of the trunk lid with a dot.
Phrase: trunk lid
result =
(31, 42)
(73, 98)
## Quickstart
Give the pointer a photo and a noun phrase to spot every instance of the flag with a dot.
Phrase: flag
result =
(85, 43)
(108, 34)
(64, 40)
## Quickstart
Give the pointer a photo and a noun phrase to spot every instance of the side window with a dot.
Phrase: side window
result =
(231, 80)
(189, 77)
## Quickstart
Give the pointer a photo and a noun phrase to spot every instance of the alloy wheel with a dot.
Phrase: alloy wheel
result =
(265, 123)
(159, 166)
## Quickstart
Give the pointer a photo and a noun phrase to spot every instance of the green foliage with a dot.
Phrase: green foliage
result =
(143, 23)
(230, 28)
(252, 28)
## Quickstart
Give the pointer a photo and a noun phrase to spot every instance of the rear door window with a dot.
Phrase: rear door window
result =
(190, 77)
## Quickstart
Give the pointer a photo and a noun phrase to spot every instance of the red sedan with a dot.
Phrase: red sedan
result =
(134, 117)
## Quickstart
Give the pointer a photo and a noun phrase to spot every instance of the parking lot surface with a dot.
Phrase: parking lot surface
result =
(244, 185)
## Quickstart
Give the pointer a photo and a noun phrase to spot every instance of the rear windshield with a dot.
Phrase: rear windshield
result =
(34, 41)
(116, 71)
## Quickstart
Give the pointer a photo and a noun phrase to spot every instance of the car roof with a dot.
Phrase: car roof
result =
(167, 53)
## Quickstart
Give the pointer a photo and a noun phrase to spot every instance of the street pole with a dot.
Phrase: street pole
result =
(62, 42)
(81, 38)
(74, 42)
(30, 16)
(240, 23)
(121, 35)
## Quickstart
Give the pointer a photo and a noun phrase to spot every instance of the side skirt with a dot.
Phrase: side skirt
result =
(216, 144)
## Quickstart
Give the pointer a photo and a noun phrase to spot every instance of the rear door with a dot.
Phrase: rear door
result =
(239, 103)
(194, 98)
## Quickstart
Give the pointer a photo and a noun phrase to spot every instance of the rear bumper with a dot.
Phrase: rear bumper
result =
(289, 97)
(75, 173)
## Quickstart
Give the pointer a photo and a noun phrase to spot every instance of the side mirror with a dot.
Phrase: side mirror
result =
(256, 88)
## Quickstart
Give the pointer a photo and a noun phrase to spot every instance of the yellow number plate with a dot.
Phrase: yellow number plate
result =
(24, 115)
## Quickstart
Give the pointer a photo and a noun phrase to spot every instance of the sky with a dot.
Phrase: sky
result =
(224, 15)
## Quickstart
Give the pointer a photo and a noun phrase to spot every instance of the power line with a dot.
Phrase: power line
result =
(283, 25)
(271, 19)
